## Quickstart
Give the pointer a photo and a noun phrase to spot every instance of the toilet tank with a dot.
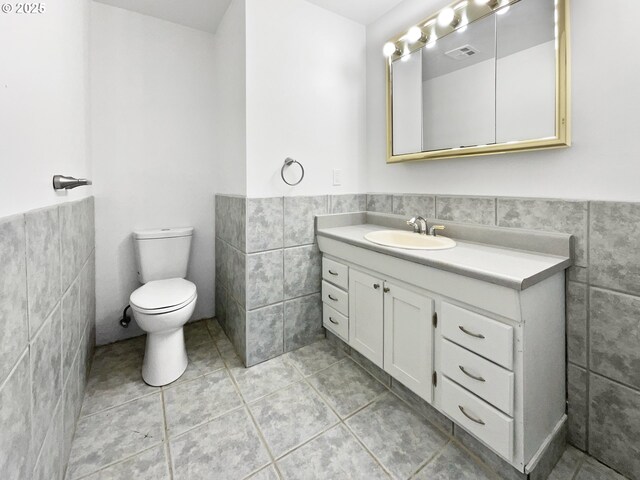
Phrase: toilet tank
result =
(162, 253)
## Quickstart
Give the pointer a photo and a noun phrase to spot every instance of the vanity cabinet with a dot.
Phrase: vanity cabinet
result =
(366, 315)
(489, 357)
(408, 338)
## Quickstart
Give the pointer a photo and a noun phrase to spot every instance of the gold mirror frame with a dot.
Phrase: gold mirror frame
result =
(563, 94)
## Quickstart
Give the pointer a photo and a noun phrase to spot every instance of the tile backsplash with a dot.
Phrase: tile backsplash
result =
(47, 320)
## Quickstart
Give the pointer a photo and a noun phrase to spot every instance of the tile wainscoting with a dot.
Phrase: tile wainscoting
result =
(268, 279)
(47, 320)
(268, 271)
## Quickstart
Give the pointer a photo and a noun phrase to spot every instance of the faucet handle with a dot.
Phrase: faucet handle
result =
(413, 222)
(432, 230)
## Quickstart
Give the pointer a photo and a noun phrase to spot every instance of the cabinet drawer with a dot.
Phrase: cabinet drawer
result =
(487, 380)
(336, 273)
(480, 334)
(336, 298)
(336, 322)
(481, 419)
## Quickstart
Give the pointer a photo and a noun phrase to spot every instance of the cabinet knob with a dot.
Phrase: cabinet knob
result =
(376, 286)
(386, 289)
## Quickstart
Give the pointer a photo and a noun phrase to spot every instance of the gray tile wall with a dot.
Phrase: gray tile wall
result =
(268, 271)
(603, 306)
(47, 334)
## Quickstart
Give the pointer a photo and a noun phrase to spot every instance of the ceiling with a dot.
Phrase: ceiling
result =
(361, 11)
(199, 14)
(206, 14)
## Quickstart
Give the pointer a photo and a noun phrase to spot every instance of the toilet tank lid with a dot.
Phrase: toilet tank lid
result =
(163, 233)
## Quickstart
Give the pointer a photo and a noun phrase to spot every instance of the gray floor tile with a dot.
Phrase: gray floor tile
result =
(423, 408)
(333, 455)
(291, 416)
(346, 387)
(116, 434)
(196, 333)
(400, 438)
(314, 357)
(149, 465)
(260, 380)
(594, 470)
(453, 463)
(567, 465)
(185, 403)
(228, 446)
(268, 473)
(116, 376)
(203, 359)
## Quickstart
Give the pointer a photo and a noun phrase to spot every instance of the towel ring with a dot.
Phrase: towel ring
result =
(287, 163)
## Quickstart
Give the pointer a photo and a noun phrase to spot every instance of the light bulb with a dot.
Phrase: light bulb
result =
(389, 49)
(414, 34)
(446, 16)
(482, 2)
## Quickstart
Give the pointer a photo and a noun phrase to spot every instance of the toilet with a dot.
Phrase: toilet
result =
(165, 301)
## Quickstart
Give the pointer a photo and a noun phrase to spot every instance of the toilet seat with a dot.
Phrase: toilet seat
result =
(163, 296)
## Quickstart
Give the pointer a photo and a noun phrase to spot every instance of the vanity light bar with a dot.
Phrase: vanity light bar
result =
(456, 16)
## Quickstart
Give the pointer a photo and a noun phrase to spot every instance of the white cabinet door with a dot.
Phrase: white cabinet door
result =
(408, 338)
(366, 315)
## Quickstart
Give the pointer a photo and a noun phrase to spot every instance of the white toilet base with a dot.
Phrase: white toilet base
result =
(165, 357)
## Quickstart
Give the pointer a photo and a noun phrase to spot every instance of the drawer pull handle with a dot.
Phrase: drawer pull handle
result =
(331, 297)
(476, 420)
(471, 334)
(333, 273)
(480, 379)
(333, 321)
(376, 286)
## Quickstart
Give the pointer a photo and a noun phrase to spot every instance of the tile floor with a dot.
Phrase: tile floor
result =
(310, 414)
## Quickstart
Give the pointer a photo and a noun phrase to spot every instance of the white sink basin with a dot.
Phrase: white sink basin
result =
(409, 240)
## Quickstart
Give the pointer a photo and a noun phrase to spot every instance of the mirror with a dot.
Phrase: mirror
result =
(490, 78)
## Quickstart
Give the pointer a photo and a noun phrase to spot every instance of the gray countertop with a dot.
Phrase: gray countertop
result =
(513, 268)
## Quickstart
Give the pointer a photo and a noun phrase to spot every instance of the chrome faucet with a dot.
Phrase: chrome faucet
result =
(419, 225)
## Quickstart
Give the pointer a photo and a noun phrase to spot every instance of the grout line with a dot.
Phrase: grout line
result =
(165, 431)
(429, 460)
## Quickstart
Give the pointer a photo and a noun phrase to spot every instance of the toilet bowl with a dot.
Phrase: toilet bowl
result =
(161, 308)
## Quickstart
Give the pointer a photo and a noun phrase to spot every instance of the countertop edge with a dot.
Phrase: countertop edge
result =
(494, 279)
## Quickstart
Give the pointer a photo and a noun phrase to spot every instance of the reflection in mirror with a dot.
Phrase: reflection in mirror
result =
(459, 76)
(526, 72)
(407, 104)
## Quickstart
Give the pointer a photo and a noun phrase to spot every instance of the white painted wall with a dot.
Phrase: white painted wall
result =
(230, 155)
(43, 104)
(305, 97)
(153, 138)
(603, 162)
